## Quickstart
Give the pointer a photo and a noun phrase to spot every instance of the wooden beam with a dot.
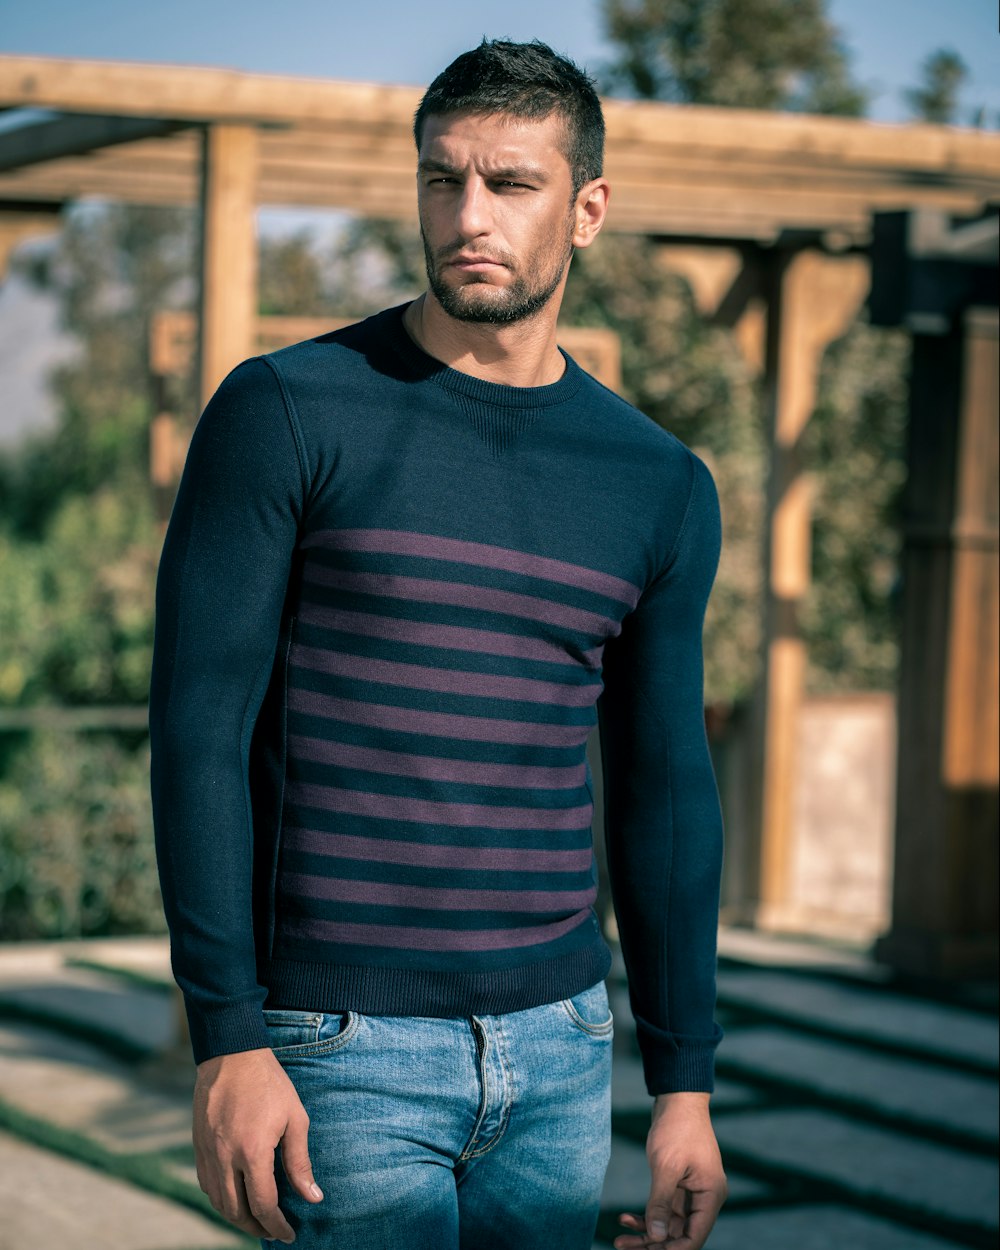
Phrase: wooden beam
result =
(228, 306)
(658, 199)
(204, 94)
(57, 137)
(194, 93)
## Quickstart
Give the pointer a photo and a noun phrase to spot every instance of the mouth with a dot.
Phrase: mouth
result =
(475, 264)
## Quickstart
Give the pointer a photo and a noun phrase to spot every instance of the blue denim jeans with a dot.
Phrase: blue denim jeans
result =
(487, 1132)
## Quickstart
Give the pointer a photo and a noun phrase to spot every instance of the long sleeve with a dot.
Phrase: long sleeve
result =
(662, 813)
(220, 591)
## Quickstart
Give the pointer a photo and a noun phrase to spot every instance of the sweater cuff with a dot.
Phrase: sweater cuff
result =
(224, 1030)
(674, 1064)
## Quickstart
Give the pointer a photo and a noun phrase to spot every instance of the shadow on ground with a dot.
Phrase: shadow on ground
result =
(851, 1110)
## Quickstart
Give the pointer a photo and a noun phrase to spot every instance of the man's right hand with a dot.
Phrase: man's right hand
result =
(244, 1106)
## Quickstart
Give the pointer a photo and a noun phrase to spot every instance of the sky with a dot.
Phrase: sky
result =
(396, 42)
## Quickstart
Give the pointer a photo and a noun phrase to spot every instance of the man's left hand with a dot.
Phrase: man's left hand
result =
(688, 1182)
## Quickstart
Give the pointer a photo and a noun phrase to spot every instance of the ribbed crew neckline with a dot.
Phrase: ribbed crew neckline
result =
(478, 389)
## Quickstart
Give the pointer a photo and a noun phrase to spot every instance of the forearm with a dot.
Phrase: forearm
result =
(664, 853)
(220, 593)
(663, 819)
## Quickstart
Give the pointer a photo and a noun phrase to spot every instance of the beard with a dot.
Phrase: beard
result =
(479, 300)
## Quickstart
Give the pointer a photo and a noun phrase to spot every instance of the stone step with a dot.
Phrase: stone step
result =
(144, 1019)
(816, 1228)
(962, 1103)
(904, 1177)
(69, 1083)
(53, 1203)
(911, 1026)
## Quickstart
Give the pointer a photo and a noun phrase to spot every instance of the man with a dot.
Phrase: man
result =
(410, 565)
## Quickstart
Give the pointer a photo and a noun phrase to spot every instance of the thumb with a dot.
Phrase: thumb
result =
(295, 1159)
(659, 1211)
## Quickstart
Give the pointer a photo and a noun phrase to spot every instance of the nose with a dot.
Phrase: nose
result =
(472, 216)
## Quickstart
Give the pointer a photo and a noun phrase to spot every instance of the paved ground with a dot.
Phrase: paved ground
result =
(850, 1113)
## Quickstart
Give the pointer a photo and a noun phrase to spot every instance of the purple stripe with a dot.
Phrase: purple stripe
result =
(464, 595)
(450, 637)
(432, 897)
(455, 681)
(426, 855)
(412, 937)
(436, 812)
(486, 555)
(436, 767)
(437, 724)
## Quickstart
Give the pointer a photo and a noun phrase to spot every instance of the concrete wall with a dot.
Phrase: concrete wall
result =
(840, 874)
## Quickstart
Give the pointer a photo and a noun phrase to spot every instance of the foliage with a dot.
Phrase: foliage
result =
(78, 536)
(369, 265)
(76, 608)
(78, 547)
(76, 844)
(759, 54)
(936, 98)
(112, 268)
(689, 378)
(855, 444)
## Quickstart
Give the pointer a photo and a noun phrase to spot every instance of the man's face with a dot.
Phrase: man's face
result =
(496, 213)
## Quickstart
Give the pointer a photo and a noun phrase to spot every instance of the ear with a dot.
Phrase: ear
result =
(590, 209)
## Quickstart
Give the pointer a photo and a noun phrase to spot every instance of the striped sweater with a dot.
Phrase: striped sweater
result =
(394, 601)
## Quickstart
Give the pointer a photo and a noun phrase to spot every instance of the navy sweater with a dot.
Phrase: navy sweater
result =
(393, 602)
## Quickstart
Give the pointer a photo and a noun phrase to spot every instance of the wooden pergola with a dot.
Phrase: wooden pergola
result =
(770, 216)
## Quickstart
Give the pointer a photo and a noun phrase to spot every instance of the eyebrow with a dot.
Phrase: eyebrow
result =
(512, 173)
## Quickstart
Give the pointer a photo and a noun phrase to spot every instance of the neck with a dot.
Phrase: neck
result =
(521, 354)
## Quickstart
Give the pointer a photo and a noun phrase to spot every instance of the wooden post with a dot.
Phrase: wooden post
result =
(944, 920)
(812, 299)
(228, 252)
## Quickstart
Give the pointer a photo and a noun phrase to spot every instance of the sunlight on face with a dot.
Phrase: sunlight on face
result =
(496, 213)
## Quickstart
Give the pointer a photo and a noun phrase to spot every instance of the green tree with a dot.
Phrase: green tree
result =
(757, 54)
(78, 547)
(786, 55)
(689, 378)
(943, 74)
(78, 552)
(111, 269)
(854, 445)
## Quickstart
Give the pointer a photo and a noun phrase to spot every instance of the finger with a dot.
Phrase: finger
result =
(262, 1198)
(231, 1203)
(637, 1224)
(295, 1158)
(632, 1221)
(659, 1211)
(640, 1239)
(704, 1210)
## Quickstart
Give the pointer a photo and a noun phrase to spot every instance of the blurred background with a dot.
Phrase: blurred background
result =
(798, 279)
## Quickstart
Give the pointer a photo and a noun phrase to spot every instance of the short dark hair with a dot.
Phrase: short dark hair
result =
(526, 80)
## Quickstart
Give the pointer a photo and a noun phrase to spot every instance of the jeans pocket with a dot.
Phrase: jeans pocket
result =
(293, 1032)
(590, 1010)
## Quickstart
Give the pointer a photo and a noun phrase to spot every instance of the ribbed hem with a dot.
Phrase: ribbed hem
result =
(419, 992)
(226, 1030)
(678, 1064)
